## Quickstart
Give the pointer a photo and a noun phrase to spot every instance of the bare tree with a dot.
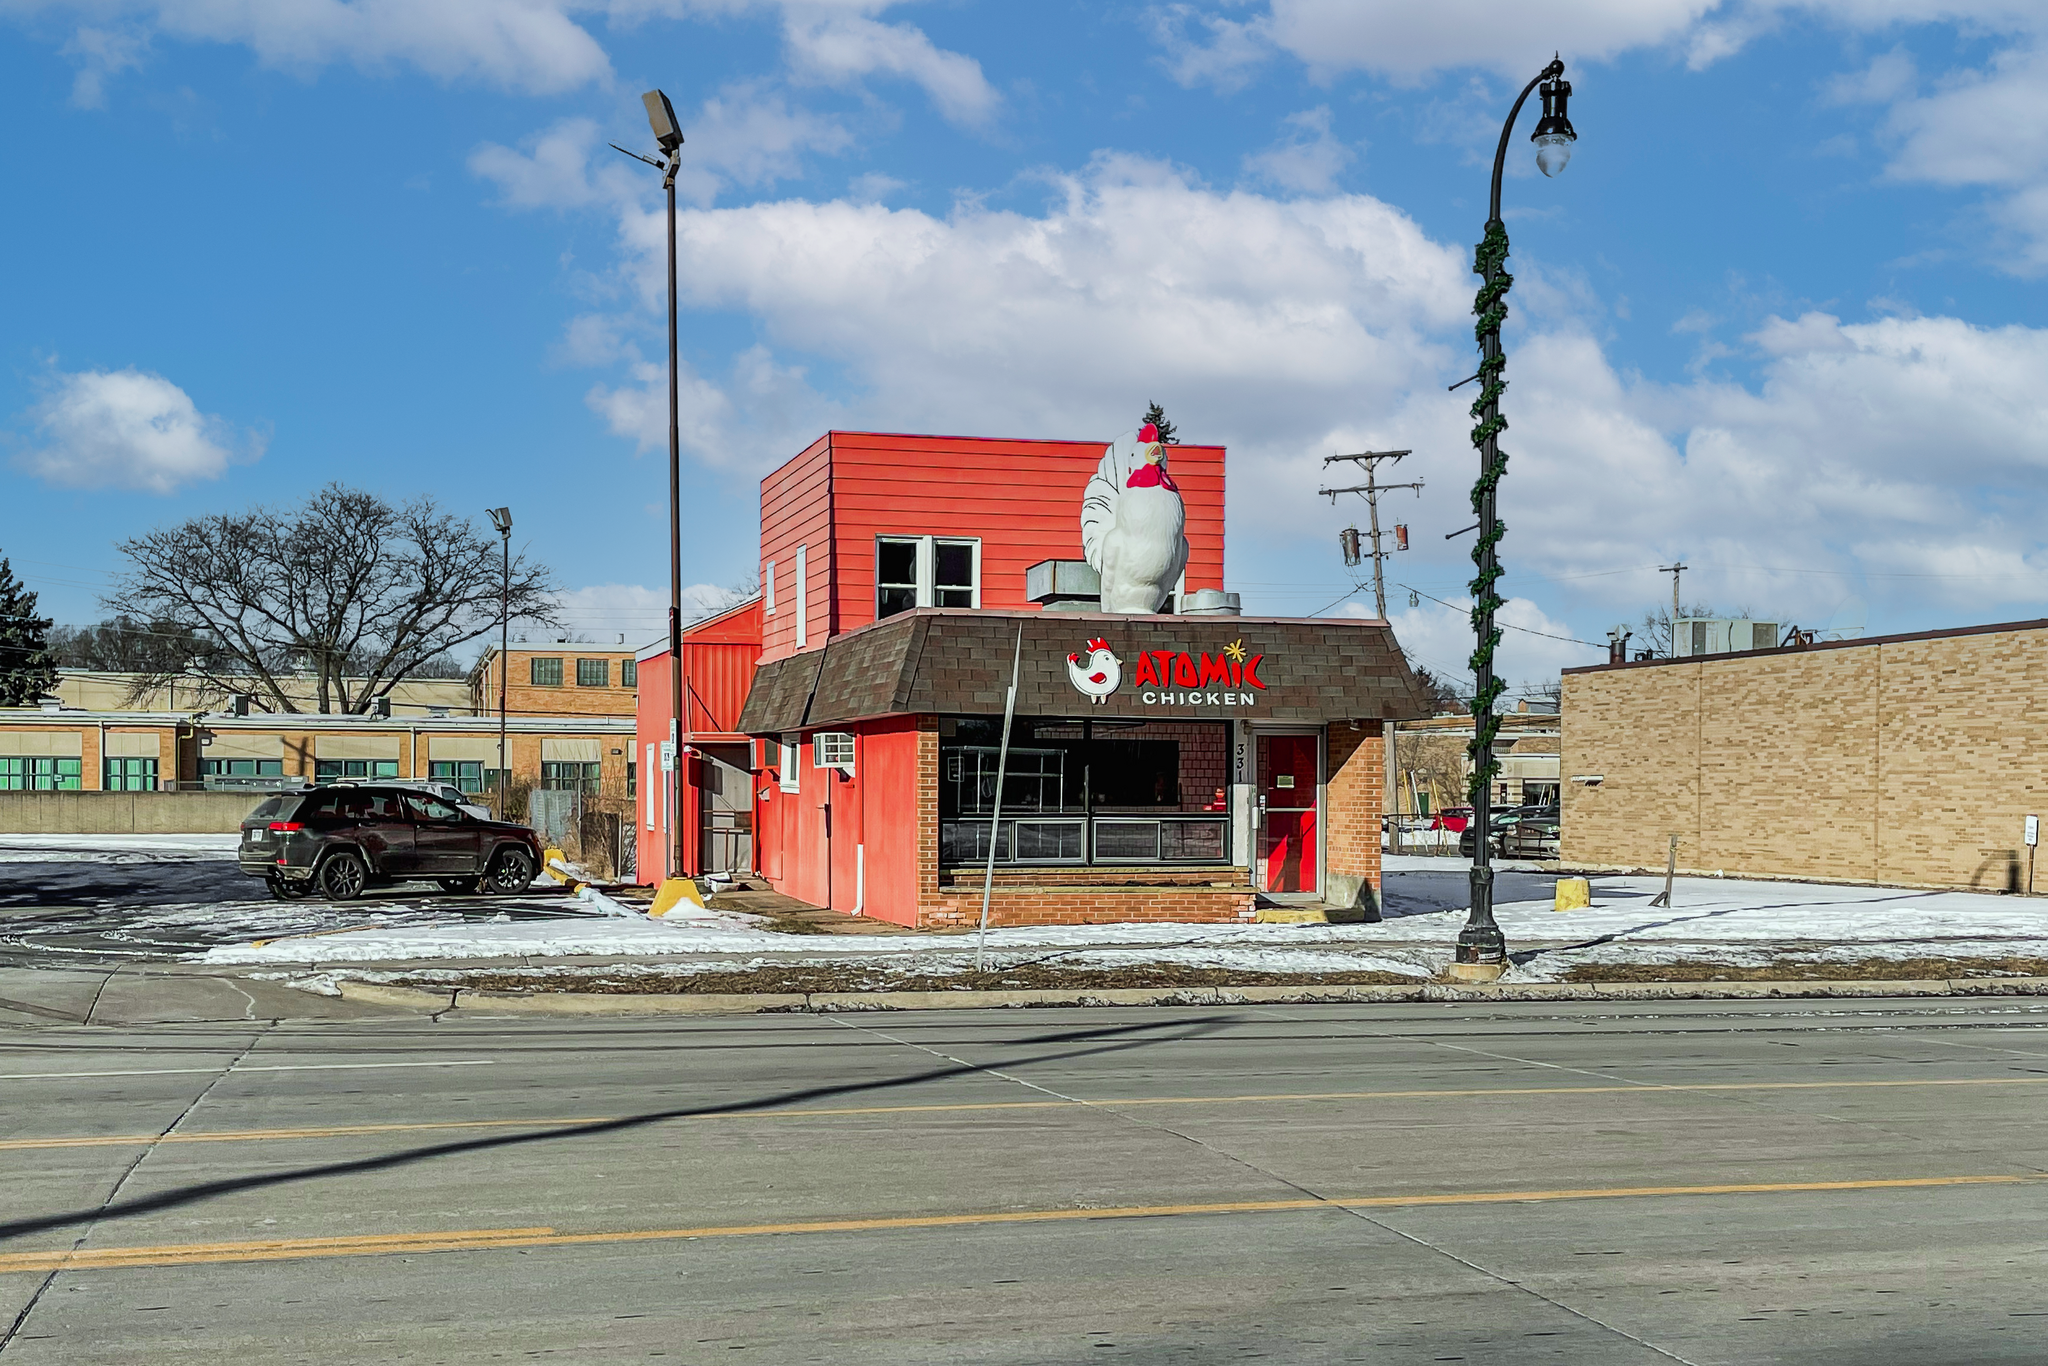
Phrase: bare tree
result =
(345, 587)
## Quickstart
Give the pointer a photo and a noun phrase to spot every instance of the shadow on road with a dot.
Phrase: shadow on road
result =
(1114, 1039)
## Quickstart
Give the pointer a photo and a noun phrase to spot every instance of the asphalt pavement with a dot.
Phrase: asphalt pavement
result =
(1704, 1182)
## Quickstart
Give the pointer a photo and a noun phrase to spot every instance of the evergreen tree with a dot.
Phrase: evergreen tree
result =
(27, 669)
(1156, 415)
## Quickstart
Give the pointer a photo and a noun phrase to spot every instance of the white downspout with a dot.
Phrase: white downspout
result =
(860, 879)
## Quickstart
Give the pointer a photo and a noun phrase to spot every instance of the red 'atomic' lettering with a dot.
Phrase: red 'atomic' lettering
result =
(1251, 672)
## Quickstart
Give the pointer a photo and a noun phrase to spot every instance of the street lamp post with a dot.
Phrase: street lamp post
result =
(668, 135)
(1482, 951)
(501, 518)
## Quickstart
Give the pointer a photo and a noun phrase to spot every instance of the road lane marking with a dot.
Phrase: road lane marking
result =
(268, 1067)
(472, 1240)
(430, 1126)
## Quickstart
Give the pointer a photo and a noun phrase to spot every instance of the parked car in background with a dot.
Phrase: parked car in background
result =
(1510, 840)
(337, 841)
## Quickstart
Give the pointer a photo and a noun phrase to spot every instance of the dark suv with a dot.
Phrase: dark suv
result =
(336, 841)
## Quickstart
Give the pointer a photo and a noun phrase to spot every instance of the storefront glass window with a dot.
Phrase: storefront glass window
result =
(1086, 791)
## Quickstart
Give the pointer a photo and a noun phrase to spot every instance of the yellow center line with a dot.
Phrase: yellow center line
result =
(471, 1240)
(831, 1112)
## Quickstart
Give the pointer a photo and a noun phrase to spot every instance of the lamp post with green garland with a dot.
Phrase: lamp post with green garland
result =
(1482, 952)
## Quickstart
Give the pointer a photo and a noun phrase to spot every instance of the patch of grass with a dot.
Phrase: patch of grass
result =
(808, 978)
(1811, 970)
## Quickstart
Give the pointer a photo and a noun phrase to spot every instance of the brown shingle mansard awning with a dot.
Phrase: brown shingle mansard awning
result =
(958, 662)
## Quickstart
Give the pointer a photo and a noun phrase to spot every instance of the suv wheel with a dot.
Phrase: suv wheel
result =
(510, 873)
(343, 876)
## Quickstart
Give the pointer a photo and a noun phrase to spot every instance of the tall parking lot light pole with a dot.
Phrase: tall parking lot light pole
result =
(1482, 950)
(668, 135)
(501, 518)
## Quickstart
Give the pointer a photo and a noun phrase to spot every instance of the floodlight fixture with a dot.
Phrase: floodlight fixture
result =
(661, 117)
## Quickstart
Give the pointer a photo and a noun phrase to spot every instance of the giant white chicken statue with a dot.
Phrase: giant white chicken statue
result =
(1133, 527)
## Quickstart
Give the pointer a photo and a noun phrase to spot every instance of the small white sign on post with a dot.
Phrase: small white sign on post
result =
(668, 756)
(2033, 831)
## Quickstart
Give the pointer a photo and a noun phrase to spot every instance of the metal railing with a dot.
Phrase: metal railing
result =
(1084, 840)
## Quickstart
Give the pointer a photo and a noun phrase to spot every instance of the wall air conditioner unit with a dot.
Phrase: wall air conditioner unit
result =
(832, 749)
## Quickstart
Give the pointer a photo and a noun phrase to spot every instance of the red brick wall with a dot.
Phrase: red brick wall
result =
(1356, 790)
(1086, 905)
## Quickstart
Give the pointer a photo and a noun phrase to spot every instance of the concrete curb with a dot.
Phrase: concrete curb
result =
(567, 1003)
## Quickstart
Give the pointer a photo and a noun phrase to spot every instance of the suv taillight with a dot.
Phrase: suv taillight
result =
(286, 825)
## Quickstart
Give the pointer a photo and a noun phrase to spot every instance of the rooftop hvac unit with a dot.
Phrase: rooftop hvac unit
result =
(1721, 635)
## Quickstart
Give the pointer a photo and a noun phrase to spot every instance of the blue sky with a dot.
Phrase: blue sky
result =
(1779, 318)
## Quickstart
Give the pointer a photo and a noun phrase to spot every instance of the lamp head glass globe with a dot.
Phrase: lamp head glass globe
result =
(1553, 150)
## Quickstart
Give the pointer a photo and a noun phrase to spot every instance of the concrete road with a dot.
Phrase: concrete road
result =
(1702, 1182)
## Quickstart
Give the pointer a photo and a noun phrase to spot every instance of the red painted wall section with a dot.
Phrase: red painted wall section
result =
(650, 728)
(1021, 499)
(887, 761)
(796, 511)
(720, 655)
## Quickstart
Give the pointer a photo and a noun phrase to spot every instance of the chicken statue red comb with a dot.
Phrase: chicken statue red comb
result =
(1148, 433)
(1098, 644)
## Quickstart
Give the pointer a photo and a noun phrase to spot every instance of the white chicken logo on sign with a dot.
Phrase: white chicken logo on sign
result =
(1096, 672)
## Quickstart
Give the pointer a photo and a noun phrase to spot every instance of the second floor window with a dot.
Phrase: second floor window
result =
(925, 571)
(593, 673)
(629, 673)
(545, 673)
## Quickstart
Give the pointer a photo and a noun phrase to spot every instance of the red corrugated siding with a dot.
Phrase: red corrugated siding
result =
(796, 510)
(1021, 499)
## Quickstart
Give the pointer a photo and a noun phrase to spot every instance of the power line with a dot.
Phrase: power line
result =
(1509, 625)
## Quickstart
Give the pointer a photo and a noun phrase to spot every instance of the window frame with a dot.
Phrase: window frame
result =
(927, 588)
(602, 665)
(788, 775)
(536, 665)
(629, 673)
(588, 780)
(128, 773)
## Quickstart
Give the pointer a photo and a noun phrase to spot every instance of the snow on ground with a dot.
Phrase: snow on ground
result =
(114, 848)
(1713, 917)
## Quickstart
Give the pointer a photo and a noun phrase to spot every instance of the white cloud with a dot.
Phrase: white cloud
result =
(102, 53)
(840, 49)
(741, 136)
(1439, 637)
(1308, 159)
(751, 422)
(532, 46)
(1058, 324)
(129, 429)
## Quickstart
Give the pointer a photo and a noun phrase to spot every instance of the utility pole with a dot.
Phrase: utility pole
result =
(1674, 570)
(1371, 490)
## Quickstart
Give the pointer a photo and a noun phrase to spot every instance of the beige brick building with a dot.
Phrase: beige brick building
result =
(1909, 759)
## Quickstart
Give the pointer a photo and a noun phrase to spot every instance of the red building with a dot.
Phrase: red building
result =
(719, 658)
(1185, 765)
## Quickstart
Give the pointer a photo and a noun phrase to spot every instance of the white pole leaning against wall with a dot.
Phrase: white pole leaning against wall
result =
(995, 824)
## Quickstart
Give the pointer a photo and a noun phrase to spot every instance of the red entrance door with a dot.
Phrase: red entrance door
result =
(1287, 813)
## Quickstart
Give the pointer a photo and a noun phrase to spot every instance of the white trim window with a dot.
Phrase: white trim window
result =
(768, 587)
(787, 775)
(926, 571)
(802, 596)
